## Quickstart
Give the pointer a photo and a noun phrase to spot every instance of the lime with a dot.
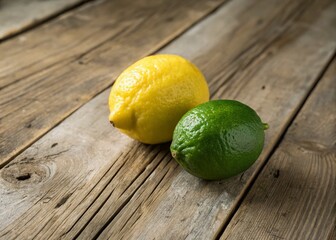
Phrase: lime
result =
(218, 139)
(150, 97)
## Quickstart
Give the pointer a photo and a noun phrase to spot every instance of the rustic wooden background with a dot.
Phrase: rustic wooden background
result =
(66, 173)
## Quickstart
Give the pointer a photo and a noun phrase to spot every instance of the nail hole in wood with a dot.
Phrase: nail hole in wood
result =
(260, 21)
(23, 177)
(63, 200)
(276, 174)
(54, 145)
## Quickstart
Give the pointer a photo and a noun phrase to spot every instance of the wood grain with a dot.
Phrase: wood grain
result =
(294, 197)
(48, 73)
(18, 15)
(184, 207)
(87, 180)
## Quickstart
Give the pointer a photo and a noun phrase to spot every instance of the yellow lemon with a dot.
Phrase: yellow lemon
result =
(149, 97)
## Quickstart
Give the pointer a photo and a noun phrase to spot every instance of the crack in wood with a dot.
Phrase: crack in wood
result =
(63, 200)
(140, 205)
(141, 172)
(54, 155)
(128, 199)
(99, 194)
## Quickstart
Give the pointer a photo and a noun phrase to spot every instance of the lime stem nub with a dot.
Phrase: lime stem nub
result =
(112, 123)
(266, 126)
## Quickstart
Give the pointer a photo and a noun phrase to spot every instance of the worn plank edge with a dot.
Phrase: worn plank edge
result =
(43, 20)
(155, 49)
(241, 197)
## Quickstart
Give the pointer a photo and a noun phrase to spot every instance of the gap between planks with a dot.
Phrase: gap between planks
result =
(26, 23)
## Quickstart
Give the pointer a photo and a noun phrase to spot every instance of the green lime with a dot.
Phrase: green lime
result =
(218, 139)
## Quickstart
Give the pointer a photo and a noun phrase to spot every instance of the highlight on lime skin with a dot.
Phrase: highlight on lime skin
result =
(218, 139)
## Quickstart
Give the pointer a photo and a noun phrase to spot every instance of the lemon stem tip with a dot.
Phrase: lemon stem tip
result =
(173, 154)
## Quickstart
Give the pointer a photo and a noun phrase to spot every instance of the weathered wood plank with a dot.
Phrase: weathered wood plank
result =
(294, 197)
(181, 206)
(94, 179)
(19, 15)
(48, 73)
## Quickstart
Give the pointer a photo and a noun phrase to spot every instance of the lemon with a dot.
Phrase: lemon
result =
(150, 97)
(218, 139)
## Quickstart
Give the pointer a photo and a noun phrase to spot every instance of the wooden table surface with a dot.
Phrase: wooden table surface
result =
(66, 173)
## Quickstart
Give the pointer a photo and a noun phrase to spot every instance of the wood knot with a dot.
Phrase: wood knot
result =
(22, 174)
(310, 146)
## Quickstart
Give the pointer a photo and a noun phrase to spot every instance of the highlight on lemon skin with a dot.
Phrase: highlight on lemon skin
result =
(150, 97)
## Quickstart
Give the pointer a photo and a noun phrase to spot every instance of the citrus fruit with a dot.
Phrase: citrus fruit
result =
(218, 139)
(150, 97)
